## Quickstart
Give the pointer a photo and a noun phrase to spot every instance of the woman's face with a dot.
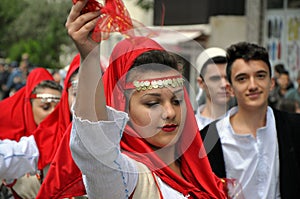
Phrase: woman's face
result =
(157, 114)
(41, 108)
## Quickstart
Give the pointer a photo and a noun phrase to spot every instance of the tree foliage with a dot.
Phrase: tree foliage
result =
(36, 27)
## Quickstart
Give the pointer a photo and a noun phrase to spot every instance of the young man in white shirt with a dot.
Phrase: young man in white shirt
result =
(255, 144)
(211, 65)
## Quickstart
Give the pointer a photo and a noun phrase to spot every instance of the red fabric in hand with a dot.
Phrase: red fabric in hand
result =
(114, 18)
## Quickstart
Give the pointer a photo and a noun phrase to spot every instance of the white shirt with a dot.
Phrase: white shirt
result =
(254, 162)
(107, 173)
(201, 120)
(18, 158)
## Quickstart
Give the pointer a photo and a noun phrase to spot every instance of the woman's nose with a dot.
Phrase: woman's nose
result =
(168, 111)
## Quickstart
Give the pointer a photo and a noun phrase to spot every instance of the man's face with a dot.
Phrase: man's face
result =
(283, 81)
(215, 83)
(251, 83)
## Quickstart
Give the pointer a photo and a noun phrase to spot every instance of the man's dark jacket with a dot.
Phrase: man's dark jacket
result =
(288, 135)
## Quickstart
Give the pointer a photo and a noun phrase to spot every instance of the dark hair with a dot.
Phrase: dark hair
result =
(246, 51)
(285, 72)
(279, 68)
(47, 84)
(214, 60)
(151, 59)
(73, 75)
(156, 56)
(287, 105)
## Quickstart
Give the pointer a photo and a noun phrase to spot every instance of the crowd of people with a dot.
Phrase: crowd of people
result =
(132, 132)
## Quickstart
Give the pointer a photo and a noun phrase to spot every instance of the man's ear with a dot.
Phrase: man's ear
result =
(230, 90)
(272, 83)
(200, 82)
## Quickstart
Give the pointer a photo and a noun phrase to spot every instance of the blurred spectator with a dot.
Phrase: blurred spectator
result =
(287, 105)
(4, 74)
(25, 58)
(57, 76)
(17, 78)
(278, 69)
(280, 90)
(294, 93)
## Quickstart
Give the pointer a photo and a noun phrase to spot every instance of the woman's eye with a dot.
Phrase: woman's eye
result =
(177, 101)
(151, 104)
(46, 107)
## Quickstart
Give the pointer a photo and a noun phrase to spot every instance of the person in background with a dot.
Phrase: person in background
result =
(49, 133)
(288, 105)
(4, 74)
(56, 76)
(211, 64)
(60, 179)
(21, 114)
(278, 69)
(18, 77)
(278, 92)
(255, 144)
(294, 93)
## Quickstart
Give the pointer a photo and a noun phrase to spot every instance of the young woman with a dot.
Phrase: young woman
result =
(134, 133)
(20, 116)
(50, 132)
(17, 116)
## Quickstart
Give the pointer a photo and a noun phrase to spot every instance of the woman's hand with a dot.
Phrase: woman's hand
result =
(80, 26)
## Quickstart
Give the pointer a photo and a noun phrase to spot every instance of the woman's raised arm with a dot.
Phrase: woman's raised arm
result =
(90, 100)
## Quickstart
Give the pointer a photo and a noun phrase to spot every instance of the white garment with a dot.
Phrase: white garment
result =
(18, 158)
(107, 173)
(201, 120)
(254, 162)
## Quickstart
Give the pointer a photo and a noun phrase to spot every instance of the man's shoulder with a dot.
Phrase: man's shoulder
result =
(209, 128)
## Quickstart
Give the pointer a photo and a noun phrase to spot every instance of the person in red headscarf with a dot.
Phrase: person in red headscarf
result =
(63, 176)
(17, 118)
(20, 116)
(154, 154)
(50, 132)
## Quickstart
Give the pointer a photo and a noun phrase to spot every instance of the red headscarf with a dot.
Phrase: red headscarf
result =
(49, 133)
(199, 182)
(16, 117)
(63, 179)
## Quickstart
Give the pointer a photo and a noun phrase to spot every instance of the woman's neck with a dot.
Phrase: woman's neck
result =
(168, 156)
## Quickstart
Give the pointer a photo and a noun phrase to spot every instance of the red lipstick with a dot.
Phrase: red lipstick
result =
(169, 127)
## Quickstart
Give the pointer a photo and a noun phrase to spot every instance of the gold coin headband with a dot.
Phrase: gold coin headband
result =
(141, 85)
(46, 98)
